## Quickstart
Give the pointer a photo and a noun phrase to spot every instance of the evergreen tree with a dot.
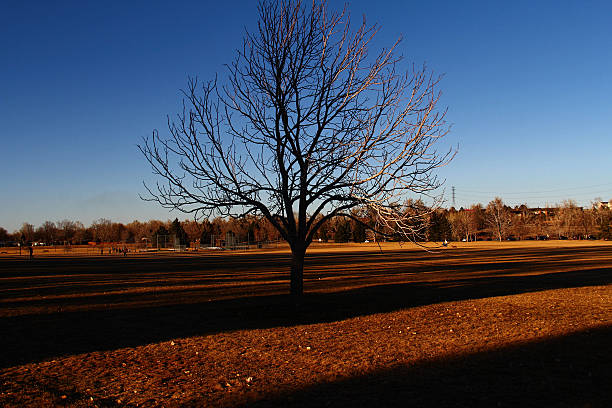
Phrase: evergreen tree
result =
(207, 234)
(343, 231)
(359, 232)
(179, 233)
(439, 227)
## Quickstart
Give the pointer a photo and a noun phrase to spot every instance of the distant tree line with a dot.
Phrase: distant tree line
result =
(498, 221)
(495, 221)
(208, 232)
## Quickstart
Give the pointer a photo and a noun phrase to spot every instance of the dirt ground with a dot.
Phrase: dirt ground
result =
(473, 324)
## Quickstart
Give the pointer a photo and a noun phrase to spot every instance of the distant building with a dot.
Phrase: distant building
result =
(541, 211)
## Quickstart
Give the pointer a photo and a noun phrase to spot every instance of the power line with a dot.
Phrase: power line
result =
(537, 191)
(584, 196)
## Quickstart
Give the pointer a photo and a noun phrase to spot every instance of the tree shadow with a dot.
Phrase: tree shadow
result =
(568, 371)
(28, 338)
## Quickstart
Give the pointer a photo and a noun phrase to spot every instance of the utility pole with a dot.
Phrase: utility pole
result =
(453, 196)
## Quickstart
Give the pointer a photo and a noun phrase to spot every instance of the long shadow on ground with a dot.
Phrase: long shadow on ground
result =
(569, 371)
(31, 338)
(50, 266)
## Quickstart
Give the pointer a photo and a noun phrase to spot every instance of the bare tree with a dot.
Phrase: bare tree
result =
(47, 232)
(460, 224)
(66, 230)
(475, 221)
(81, 233)
(498, 217)
(27, 232)
(522, 221)
(566, 219)
(602, 220)
(586, 222)
(307, 127)
(102, 230)
(193, 229)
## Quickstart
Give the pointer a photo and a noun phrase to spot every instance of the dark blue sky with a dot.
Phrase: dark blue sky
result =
(527, 84)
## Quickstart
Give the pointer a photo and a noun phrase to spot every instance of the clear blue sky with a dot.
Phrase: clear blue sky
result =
(528, 86)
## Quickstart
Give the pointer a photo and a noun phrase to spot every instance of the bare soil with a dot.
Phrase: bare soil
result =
(526, 324)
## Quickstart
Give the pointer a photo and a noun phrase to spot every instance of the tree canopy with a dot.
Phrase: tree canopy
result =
(305, 126)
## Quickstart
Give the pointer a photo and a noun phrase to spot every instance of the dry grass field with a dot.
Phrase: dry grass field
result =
(472, 324)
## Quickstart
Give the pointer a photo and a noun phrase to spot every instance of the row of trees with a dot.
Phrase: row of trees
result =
(495, 221)
(499, 221)
(103, 230)
(208, 233)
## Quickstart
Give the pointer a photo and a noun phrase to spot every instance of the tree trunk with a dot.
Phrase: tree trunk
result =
(297, 274)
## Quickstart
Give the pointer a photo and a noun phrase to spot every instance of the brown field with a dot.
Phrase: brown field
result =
(473, 324)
